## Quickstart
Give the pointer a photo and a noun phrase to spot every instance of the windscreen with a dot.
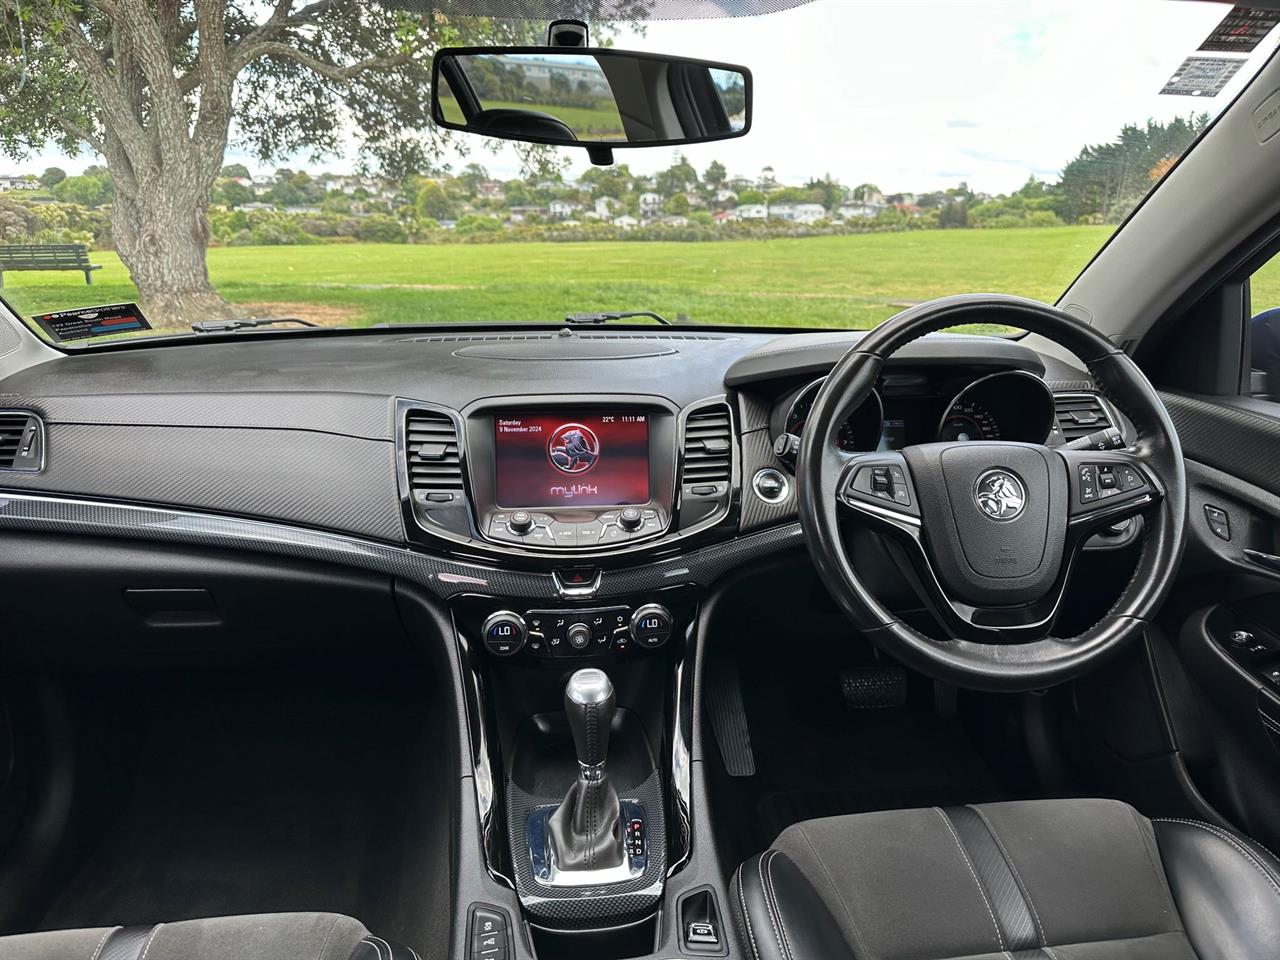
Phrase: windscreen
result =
(288, 171)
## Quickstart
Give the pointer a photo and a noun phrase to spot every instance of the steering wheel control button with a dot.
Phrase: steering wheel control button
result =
(630, 518)
(1101, 481)
(771, 486)
(504, 633)
(883, 481)
(1219, 522)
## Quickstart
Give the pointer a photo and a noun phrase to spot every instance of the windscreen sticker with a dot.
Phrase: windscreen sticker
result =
(1201, 77)
(1241, 30)
(92, 321)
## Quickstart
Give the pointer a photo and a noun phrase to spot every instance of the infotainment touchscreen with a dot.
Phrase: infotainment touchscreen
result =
(571, 458)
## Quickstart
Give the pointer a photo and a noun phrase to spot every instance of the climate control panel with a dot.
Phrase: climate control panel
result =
(577, 632)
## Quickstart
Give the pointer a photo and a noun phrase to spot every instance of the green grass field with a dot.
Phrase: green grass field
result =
(850, 282)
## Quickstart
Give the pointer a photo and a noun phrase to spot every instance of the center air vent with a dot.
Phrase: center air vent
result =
(21, 441)
(431, 446)
(1080, 414)
(708, 446)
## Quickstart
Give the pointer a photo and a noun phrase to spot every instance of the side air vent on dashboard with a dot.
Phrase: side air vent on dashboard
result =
(431, 445)
(707, 472)
(21, 441)
(708, 447)
(433, 462)
(1080, 414)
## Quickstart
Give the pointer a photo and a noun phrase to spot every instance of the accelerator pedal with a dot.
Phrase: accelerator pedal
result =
(729, 721)
(874, 688)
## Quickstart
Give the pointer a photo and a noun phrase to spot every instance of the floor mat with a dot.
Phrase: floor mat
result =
(258, 792)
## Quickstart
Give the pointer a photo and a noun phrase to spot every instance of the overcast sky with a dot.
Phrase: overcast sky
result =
(916, 96)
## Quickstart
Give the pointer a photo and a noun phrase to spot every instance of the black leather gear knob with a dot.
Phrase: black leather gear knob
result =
(590, 704)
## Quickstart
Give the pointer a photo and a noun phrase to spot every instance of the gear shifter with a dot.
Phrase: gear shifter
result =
(586, 829)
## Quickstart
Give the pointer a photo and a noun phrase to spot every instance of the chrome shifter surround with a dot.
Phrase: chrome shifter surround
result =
(542, 854)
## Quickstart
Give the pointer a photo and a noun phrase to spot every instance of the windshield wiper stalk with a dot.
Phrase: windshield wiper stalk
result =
(585, 318)
(226, 326)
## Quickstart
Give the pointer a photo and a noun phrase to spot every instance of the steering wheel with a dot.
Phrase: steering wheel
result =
(988, 532)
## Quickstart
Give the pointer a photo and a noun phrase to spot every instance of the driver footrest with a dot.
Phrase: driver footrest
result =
(873, 688)
(729, 721)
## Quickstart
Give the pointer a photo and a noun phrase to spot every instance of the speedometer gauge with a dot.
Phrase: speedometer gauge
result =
(968, 420)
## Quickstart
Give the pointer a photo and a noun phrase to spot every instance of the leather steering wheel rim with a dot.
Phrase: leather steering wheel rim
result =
(822, 468)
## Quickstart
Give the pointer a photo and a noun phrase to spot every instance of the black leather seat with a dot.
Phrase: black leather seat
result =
(264, 936)
(1051, 879)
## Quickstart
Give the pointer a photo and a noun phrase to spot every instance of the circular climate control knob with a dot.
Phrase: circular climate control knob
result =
(651, 625)
(578, 635)
(504, 633)
(630, 518)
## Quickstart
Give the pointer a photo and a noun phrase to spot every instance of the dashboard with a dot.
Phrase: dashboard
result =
(537, 449)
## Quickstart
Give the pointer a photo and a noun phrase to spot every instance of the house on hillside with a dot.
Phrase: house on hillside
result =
(489, 190)
(675, 221)
(523, 213)
(650, 203)
(603, 210)
(725, 195)
(753, 211)
(797, 212)
(18, 183)
(626, 222)
(853, 209)
(563, 209)
(725, 216)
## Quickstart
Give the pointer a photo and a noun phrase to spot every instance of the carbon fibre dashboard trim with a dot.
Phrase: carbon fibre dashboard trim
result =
(443, 577)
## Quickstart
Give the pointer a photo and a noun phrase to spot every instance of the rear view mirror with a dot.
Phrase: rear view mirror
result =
(600, 99)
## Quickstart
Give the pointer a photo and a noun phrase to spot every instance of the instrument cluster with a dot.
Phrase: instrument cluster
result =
(906, 409)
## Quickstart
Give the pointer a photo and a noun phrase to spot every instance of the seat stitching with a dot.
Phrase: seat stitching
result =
(973, 873)
(1222, 834)
(746, 917)
(332, 927)
(391, 954)
(844, 904)
(101, 943)
(369, 941)
(1026, 895)
(768, 907)
(1049, 950)
(766, 875)
(150, 940)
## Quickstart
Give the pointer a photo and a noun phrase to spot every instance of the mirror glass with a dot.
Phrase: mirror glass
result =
(595, 97)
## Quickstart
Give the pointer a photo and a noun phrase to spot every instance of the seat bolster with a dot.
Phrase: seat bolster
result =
(781, 914)
(1226, 888)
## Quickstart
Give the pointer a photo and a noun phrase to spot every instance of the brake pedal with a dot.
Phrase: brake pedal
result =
(874, 688)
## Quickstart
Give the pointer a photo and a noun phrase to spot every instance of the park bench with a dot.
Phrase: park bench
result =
(46, 256)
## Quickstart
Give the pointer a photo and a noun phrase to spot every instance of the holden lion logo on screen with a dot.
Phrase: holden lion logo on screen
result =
(573, 448)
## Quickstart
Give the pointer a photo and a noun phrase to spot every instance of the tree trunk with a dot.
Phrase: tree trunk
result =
(162, 233)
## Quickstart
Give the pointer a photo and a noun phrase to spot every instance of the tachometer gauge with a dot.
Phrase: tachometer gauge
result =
(861, 431)
(968, 420)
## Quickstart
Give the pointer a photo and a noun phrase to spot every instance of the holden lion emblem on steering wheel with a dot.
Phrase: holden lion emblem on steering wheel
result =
(573, 448)
(1000, 495)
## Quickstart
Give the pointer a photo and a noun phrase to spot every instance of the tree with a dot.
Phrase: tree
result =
(715, 175)
(864, 192)
(433, 202)
(52, 176)
(238, 170)
(153, 87)
(234, 194)
(84, 190)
